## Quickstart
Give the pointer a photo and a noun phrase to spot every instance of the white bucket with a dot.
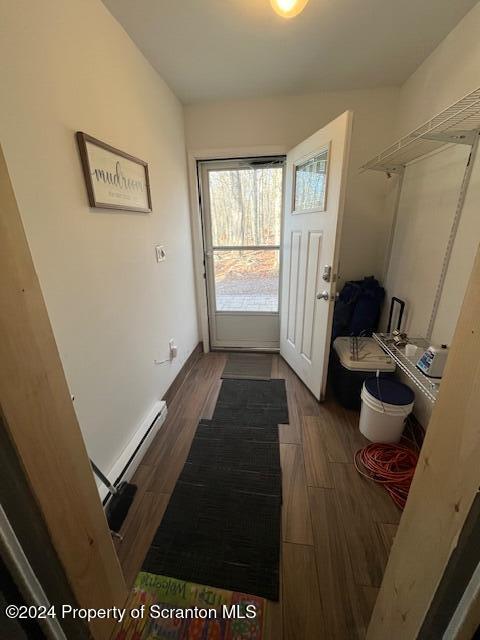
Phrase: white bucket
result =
(380, 421)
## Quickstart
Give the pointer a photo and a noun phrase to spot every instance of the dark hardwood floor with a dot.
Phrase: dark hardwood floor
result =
(337, 527)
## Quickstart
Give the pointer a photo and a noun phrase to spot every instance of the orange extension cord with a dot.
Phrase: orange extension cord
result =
(391, 465)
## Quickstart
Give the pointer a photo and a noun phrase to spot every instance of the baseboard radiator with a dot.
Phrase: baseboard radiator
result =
(132, 455)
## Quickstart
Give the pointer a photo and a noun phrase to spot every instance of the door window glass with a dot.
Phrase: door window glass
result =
(311, 183)
(246, 280)
(245, 206)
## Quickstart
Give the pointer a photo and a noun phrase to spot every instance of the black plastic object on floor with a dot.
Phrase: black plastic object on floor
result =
(222, 524)
(248, 366)
(118, 505)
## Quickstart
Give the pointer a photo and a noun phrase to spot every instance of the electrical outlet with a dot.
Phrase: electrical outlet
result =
(173, 349)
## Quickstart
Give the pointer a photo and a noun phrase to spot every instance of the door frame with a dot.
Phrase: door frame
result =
(38, 411)
(194, 156)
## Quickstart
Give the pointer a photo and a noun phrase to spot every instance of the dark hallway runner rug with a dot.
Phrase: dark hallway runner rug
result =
(252, 402)
(222, 524)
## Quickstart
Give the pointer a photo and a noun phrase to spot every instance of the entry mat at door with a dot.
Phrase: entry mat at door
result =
(222, 524)
(248, 366)
(227, 613)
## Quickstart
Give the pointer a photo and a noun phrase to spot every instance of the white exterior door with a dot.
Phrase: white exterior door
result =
(316, 173)
(242, 217)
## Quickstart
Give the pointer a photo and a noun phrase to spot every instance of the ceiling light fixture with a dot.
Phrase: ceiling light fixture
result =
(288, 8)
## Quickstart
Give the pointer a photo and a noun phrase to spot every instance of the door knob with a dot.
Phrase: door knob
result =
(323, 296)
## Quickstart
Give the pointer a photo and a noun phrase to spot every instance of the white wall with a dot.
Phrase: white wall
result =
(425, 214)
(450, 72)
(431, 189)
(113, 308)
(432, 185)
(287, 120)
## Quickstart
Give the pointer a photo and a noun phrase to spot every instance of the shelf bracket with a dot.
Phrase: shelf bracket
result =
(456, 137)
(398, 169)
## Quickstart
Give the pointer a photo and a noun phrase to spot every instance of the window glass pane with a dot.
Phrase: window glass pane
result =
(310, 183)
(246, 280)
(245, 206)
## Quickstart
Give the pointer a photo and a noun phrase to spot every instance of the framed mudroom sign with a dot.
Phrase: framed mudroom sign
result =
(114, 179)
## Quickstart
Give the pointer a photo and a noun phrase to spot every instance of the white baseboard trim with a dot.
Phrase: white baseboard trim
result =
(132, 455)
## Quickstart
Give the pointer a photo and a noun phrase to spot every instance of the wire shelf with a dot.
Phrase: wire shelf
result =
(426, 385)
(459, 123)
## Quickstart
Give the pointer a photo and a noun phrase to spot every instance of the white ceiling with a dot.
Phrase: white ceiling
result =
(220, 49)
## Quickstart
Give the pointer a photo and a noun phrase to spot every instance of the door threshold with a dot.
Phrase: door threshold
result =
(246, 349)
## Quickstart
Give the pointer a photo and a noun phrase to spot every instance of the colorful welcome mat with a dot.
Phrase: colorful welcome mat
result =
(171, 609)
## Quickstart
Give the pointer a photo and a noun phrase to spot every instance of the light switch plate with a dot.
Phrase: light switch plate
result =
(160, 253)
